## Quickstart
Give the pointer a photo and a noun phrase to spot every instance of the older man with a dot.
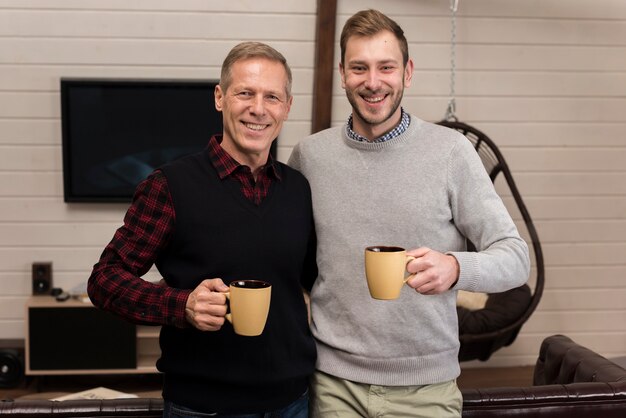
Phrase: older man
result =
(230, 212)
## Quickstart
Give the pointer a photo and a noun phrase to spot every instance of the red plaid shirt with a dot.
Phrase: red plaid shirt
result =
(115, 283)
(226, 166)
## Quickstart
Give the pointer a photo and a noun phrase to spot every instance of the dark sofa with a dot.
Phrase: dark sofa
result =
(135, 407)
(569, 381)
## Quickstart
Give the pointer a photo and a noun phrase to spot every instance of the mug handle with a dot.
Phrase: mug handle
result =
(228, 316)
(409, 258)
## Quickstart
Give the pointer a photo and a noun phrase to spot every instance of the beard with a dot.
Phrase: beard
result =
(370, 118)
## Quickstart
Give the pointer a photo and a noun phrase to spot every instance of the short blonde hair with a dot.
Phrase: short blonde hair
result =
(247, 50)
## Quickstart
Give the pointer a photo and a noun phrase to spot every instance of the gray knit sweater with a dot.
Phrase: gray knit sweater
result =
(426, 187)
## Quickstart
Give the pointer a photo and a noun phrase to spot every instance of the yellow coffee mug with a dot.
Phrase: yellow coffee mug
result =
(249, 306)
(385, 270)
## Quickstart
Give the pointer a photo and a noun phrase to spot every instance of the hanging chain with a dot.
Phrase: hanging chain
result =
(451, 111)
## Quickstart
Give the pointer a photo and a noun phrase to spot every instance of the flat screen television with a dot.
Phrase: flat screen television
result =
(117, 131)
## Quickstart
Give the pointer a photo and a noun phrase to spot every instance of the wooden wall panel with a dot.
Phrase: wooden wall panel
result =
(35, 184)
(31, 158)
(132, 51)
(586, 277)
(269, 6)
(563, 134)
(576, 9)
(572, 184)
(172, 25)
(47, 209)
(577, 207)
(59, 234)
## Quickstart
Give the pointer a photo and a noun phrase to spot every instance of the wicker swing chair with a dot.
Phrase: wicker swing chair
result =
(484, 331)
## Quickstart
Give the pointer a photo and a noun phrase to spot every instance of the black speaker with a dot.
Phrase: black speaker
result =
(11, 367)
(70, 338)
(42, 278)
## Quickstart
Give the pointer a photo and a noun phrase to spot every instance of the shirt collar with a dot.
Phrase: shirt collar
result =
(225, 165)
(400, 128)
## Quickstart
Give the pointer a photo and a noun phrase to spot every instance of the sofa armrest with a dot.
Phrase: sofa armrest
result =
(596, 399)
(563, 361)
(135, 407)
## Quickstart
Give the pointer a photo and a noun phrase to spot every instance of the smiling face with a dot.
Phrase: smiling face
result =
(254, 107)
(374, 77)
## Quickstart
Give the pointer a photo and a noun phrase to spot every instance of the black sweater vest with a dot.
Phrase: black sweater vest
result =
(219, 233)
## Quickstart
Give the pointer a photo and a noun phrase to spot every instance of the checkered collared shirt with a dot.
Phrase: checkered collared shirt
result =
(405, 120)
(227, 166)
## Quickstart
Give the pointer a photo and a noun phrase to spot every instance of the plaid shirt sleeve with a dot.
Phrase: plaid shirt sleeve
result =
(116, 285)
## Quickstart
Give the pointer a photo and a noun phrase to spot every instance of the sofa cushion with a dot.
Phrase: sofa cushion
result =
(501, 309)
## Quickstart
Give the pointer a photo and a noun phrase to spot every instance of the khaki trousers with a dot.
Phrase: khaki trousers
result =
(334, 397)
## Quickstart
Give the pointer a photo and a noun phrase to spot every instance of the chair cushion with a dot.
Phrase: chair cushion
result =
(501, 309)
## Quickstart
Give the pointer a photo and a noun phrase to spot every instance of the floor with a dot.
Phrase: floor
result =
(47, 387)
(496, 377)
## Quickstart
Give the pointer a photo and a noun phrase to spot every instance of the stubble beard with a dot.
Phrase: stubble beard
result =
(369, 118)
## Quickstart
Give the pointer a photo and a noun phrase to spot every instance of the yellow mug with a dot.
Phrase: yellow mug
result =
(385, 270)
(249, 306)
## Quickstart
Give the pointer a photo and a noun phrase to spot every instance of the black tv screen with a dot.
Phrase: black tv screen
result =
(116, 132)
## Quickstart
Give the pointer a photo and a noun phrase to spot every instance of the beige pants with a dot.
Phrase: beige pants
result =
(335, 397)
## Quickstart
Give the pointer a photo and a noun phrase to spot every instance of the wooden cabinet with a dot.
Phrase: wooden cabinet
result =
(74, 337)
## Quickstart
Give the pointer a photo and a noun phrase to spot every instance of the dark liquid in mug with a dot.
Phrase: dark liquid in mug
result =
(383, 249)
(250, 284)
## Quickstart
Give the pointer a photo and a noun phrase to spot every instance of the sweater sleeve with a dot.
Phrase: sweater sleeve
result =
(310, 265)
(115, 283)
(501, 260)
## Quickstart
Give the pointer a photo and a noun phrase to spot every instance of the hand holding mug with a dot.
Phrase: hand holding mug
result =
(432, 272)
(206, 305)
